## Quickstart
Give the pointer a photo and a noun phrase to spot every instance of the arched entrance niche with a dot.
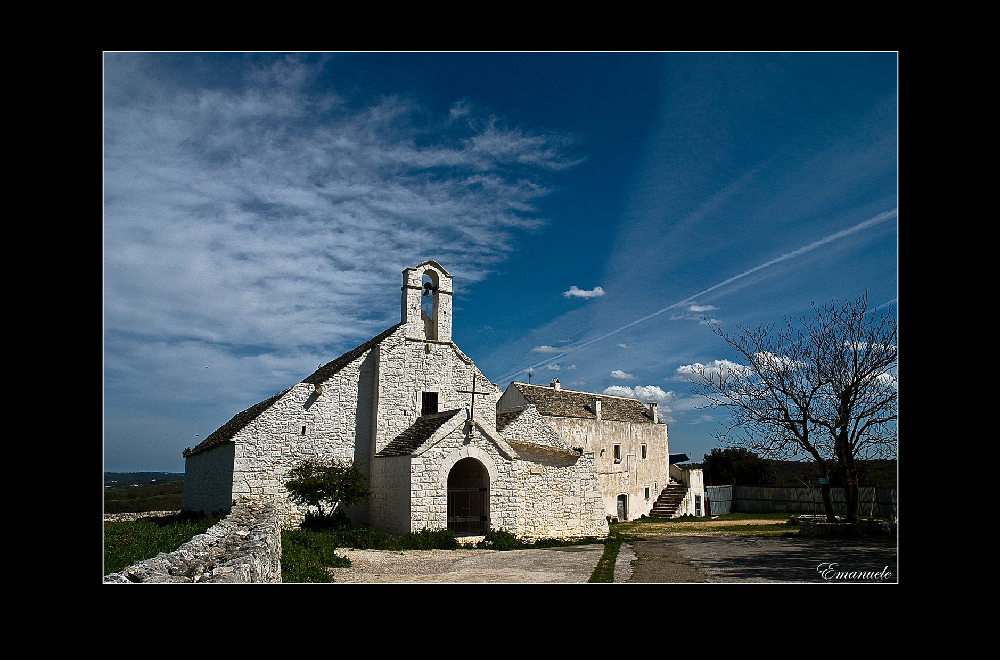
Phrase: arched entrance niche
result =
(469, 498)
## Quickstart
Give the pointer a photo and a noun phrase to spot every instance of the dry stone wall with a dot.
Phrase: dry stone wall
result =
(245, 547)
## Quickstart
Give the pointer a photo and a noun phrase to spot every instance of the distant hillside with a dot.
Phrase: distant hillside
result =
(140, 478)
(138, 492)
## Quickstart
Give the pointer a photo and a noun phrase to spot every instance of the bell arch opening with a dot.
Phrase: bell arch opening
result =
(429, 304)
(469, 498)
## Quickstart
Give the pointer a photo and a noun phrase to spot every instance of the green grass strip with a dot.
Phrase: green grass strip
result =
(128, 542)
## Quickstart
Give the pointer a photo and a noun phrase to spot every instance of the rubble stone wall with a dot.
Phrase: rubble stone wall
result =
(245, 547)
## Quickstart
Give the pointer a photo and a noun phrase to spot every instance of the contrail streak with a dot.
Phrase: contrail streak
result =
(785, 257)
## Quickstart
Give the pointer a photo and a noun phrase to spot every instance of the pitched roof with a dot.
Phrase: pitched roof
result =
(242, 419)
(570, 403)
(236, 424)
(417, 434)
(507, 415)
(331, 368)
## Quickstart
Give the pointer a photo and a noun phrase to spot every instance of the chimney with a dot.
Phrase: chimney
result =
(555, 384)
(652, 412)
(597, 407)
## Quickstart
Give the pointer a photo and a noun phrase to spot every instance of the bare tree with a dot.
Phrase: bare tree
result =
(822, 386)
(855, 355)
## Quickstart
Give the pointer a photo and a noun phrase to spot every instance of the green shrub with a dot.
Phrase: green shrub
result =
(307, 554)
(314, 482)
(498, 539)
(425, 539)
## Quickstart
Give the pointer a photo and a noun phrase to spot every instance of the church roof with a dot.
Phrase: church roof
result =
(418, 433)
(236, 424)
(240, 421)
(507, 415)
(331, 368)
(570, 403)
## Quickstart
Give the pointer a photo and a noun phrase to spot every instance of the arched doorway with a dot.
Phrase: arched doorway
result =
(469, 498)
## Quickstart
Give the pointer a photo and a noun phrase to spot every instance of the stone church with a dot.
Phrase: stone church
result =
(424, 424)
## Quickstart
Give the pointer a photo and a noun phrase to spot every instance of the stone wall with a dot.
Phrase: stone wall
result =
(245, 547)
(208, 479)
(630, 474)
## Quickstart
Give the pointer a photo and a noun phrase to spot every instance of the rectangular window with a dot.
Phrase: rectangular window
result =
(646, 491)
(618, 453)
(644, 451)
(429, 403)
(303, 430)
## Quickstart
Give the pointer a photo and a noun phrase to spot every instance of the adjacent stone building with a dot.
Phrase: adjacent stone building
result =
(626, 438)
(421, 421)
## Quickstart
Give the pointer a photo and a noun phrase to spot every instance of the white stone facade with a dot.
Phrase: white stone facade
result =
(627, 441)
(383, 405)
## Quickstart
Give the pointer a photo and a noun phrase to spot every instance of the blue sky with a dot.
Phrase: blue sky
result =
(594, 208)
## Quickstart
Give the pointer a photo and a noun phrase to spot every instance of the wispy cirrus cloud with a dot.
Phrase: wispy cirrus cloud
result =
(265, 212)
(550, 349)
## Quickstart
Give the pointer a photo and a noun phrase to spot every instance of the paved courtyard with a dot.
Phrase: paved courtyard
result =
(758, 559)
(667, 559)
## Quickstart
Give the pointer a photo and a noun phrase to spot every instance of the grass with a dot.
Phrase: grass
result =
(164, 496)
(129, 542)
(605, 569)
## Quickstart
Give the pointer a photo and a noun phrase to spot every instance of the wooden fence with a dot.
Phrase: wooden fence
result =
(880, 502)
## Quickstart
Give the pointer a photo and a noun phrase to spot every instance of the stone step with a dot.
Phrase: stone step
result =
(668, 501)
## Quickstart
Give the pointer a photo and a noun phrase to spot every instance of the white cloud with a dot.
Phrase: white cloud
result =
(618, 373)
(648, 394)
(583, 293)
(693, 372)
(642, 392)
(548, 349)
(696, 312)
(553, 367)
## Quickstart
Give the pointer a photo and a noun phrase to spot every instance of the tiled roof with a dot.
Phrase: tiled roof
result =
(507, 415)
(237, 423)
(417, 434)
(331, 368)
(569, 403)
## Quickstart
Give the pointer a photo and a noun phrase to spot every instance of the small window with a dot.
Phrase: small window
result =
(646, 491)
(429, 403)
(303, 429)
(618, 453)
(644, 451)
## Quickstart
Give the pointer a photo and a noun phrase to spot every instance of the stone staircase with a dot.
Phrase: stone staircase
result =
(669, 500)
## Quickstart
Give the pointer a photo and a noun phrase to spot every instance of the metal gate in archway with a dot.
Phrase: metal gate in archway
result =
(469, 498)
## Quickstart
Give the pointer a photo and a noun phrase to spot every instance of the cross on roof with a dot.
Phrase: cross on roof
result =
(473, 392)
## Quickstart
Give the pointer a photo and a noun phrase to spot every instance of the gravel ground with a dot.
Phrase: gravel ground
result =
(548, 565)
